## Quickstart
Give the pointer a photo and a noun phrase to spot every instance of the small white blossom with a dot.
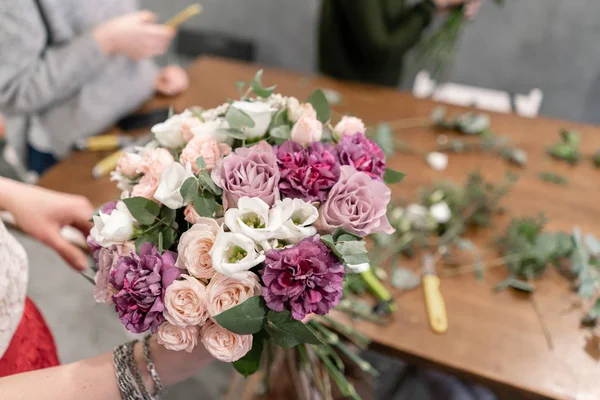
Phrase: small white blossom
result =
(233, 254)
(440, 212)
(171, 180)
(437, 161)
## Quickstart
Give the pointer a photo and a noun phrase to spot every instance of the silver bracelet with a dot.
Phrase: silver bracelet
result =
(125, 380)
(152, 368)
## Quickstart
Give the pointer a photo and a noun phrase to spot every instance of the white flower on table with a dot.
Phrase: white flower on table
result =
(170, 133)
(233, 254)
(297, 216)
(261, 113)
(437, 161)
(440, 212)
(115, 228)
(171, 180)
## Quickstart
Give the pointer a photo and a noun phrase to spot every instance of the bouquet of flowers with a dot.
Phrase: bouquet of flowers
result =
(237, 223)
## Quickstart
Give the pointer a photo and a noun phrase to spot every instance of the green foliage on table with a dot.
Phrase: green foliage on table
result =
(567, 148)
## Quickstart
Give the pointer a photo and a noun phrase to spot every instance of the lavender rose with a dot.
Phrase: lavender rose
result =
(357, 204)
(362, 154)
(306, 278)
(307, 174)
(249, 172)
(140, 283)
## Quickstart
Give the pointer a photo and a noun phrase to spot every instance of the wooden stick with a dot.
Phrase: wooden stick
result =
(184, 15)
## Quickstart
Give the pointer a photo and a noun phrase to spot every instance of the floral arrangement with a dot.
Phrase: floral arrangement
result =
(237, 223)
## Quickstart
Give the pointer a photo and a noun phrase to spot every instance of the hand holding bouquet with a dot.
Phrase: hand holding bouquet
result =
(238, 222)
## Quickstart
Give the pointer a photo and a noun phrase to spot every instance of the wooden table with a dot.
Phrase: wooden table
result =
(493, 337)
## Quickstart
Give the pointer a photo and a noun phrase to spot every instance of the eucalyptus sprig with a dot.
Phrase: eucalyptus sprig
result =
(567, 148)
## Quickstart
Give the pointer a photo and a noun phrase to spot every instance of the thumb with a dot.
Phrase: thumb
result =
(147, 16)
(69, 252)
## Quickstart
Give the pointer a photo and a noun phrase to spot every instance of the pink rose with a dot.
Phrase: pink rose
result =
(146, 187)
(178, 338)
(191, 215)
(348, 126)
(155, 161)
(308, 129)
(194, 246)
(185, 302)
(224, 292)
(208, 148)
(129, 165)
(224, 345)
(357, 204)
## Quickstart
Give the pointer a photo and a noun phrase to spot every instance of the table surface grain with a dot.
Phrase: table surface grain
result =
(493, 337)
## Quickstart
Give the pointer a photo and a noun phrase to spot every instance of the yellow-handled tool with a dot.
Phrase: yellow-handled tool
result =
(184, 15)
(436, 307)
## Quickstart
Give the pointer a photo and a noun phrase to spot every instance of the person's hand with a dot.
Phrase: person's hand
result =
(471, 6)
(42, 213)
(136, 35)
(1, 126)
(171, 81)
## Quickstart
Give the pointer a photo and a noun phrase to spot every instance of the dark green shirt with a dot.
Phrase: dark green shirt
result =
(366, 40)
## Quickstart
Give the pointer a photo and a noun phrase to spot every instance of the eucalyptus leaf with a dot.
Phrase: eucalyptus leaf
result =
(287, 332)
(233, 133)
(319, 102)
(208, 184)
(328, 240)
(521, 285)
(350, 248)
(168, 237)
(280, 132)
(587, 288)
(205, 205)
(245, 319)
(258, 88)
(161, 248)
(404, 278)
(392, 176)
(592, 244)
(280, 118)
(384, 137)
(189, 190)
(356, 259)
(200, 163)
(238, 119)
(143, 210)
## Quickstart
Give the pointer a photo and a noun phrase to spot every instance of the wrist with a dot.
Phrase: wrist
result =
(8, 193)
(104, 40)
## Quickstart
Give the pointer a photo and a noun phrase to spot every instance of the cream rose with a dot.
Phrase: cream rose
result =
(224, 345)
(191, 215)
(178, 338)
(308, 129)
(146, 187)
(207, 148)
(129, 165)
(348, 126)
(224, 292)
(296, 110)
(194, 247)
(185, 302)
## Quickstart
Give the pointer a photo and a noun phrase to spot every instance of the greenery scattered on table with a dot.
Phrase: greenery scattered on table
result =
(567, 148)
(554, 178)
(469, 123)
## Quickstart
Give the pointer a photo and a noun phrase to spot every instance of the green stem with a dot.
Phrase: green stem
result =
(357, 338)
(342, 383)
(362, 364)
(376, 287)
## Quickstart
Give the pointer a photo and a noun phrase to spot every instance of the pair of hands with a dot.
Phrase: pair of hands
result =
(42, 214)
(139, 36)
(471, 6)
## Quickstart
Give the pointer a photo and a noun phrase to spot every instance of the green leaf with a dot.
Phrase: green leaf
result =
(143, 210)
(328, 240)
(233, 133)
(521, 285)
(244, 319)
(240, 85)
(280, 132)
(287, 332)
(587, 288)
(200, 163)
(404, 278)
(280, 118)
(319, 102)
(238, 119)
(392, 176)
(384, 137)
(595, 311)
(257, 86)
(209, 184)
(250, 363)
(161, 248)
(189, 190)
(346, 237)
(168, 237)
(205, 205)
(592, 244)
(351, 248)
(356, 259)
(167, 216)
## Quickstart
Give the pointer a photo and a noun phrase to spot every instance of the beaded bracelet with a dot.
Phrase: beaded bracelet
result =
(125, 380)
(152, 367)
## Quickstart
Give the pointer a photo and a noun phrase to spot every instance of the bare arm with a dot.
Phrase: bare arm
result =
(94, 379)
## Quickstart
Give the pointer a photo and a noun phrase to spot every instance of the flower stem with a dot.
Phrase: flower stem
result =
(357, 338)
(377, 288)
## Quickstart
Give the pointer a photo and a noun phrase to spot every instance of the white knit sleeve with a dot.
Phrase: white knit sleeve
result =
(13, 285)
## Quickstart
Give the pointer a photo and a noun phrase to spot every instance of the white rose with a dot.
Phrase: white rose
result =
(210, 129)
(233, 254)
(298, 216)
(297, 110)
(437, 161)
(113, 229)
(357, 268)
(440, 212)
(169, 133)
(348, 126)
(261, 113)
(253, 219)
(170, 184)
(306, 130)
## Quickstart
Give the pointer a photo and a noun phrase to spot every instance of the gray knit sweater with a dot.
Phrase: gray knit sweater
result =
(52, 94)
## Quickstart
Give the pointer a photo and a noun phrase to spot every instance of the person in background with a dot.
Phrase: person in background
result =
(366, 41)
(29, 366)
(70, 69)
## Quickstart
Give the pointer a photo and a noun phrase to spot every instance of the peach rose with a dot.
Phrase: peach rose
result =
(146, 187)
(155, 161)
(224, 345)
(178, 338)
(185, 302)
(191, 215)
(208, 148)
(297, 110)
(307, 130)
(224, 292)
(348, 126)
(188, 126)
(194, 246)
(129, 165)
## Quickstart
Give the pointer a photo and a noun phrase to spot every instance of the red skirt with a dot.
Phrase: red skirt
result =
(32, 347)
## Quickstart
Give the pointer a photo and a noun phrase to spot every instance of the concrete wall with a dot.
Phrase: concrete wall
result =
(550, 44)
